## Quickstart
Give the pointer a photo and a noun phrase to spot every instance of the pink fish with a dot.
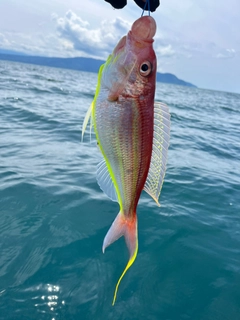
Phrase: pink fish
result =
(132, 131)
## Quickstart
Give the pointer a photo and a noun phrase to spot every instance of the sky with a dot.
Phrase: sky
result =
(198, 41)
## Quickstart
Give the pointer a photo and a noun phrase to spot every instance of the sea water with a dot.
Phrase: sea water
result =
(53, 215)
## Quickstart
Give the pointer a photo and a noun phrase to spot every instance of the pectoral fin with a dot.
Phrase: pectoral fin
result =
(86, 120)
(105, 181)
(89, 114)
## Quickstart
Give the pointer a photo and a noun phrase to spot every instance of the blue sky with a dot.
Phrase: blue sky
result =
(198, 41)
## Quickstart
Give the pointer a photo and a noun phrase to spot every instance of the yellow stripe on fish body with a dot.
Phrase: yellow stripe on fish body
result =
(96, 129)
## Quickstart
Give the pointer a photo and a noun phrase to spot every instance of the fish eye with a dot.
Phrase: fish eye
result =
(145, 68)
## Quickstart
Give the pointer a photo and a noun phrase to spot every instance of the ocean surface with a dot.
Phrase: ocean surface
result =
(53, 215)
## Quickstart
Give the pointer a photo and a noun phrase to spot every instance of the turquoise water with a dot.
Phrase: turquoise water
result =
(53, 216)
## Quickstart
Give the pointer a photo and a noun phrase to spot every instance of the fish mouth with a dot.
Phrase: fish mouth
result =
(144, 29)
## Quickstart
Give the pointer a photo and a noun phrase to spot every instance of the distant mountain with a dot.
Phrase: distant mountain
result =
(171, 78)
(81, 64)
(78, 63)
(5, 51)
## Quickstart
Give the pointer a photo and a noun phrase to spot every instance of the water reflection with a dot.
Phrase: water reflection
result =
(51, 298)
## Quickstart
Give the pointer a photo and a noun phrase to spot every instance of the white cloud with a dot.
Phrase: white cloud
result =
(166, 51)
(4, 43)
(226, 54)
(40, 44)
(95, 42)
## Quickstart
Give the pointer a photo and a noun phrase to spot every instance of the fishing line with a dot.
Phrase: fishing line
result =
(147, 5)
(148, 1)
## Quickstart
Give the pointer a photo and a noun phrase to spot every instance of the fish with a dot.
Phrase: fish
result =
(132, 131)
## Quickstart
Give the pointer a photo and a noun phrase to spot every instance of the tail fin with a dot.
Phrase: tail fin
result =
(127, 227)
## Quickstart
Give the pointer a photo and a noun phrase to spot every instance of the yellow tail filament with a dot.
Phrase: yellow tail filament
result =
(130, 262)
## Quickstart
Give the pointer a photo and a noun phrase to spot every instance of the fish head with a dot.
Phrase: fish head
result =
(132, 64)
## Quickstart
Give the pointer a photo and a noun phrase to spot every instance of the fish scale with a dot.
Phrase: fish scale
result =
(125, 145)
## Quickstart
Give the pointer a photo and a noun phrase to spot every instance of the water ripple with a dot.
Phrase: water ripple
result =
(54, 215)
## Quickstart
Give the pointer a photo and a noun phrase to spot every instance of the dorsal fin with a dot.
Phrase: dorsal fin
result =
(161, 136)
(105, 181)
